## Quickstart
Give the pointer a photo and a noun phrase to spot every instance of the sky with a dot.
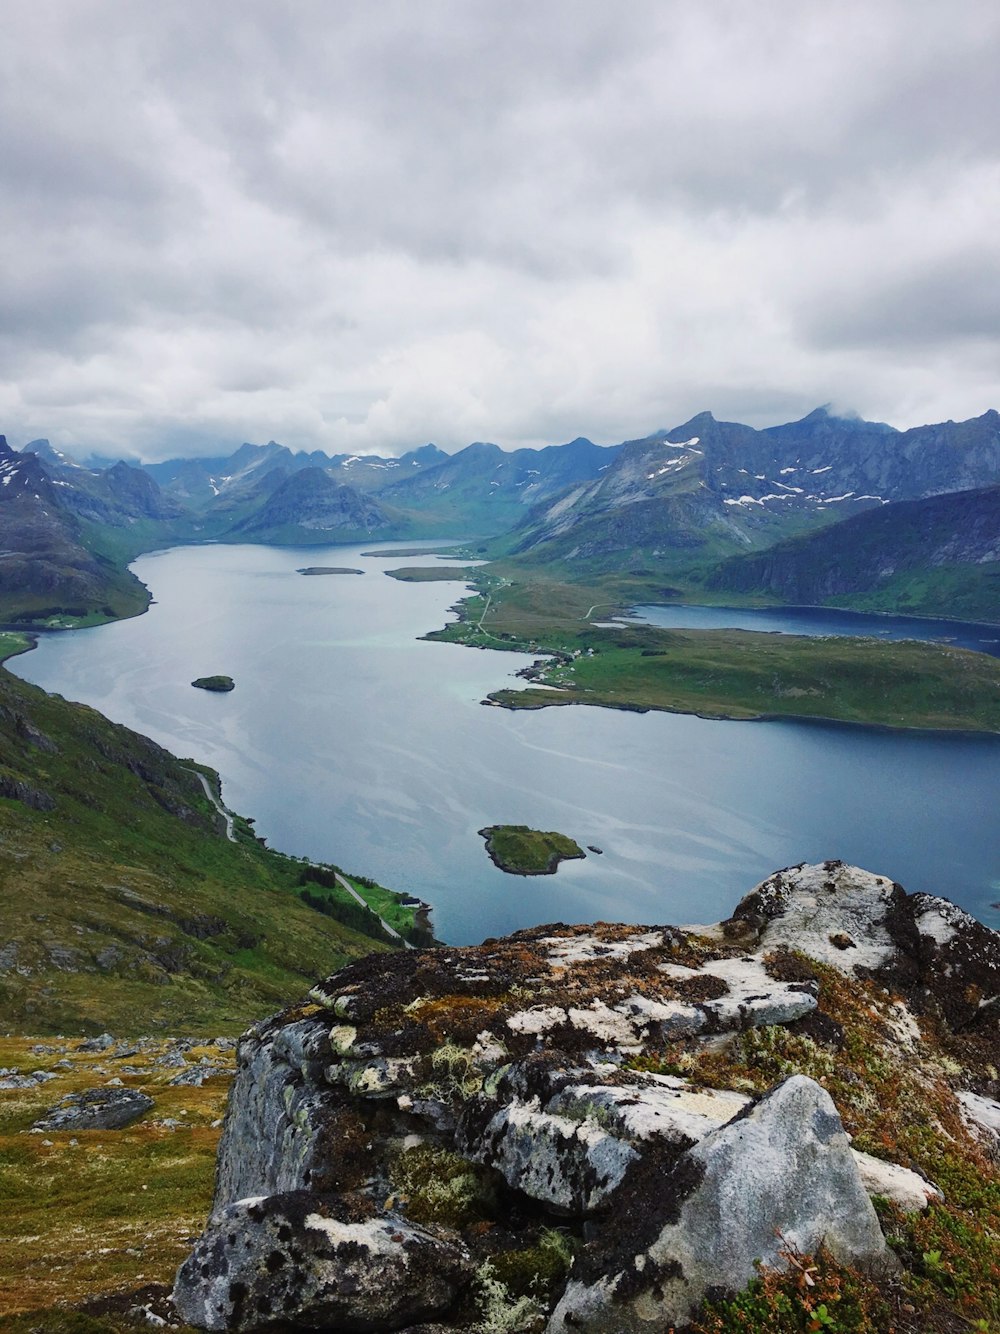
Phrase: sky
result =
(363, 227)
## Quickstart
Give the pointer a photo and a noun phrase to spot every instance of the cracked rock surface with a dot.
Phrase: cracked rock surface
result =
(399, 1148)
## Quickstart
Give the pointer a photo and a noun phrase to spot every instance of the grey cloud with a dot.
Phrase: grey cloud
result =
(363, 227)
(957, 300)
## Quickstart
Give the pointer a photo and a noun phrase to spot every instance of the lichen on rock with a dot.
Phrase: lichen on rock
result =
(676, 1100)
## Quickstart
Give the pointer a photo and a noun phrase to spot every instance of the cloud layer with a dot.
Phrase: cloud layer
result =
(364, 227)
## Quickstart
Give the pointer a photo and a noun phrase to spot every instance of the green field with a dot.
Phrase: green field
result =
(718, 673)
(12, 642)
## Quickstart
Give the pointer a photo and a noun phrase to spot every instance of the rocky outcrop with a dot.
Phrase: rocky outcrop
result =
(97, 1109)
(299, 1257)
(400, 1148)
(780, 1173)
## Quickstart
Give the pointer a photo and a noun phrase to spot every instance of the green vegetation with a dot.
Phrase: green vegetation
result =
(940, 551)
(419, 551)
(716, 673)
(216, 683)
(88, 1212)
(12, 643)
(958, 592)
(522, 851)
(430, 574)
(123, 905)
(812, 1294)
(325, 891)
(741, 674)
(438, 1186)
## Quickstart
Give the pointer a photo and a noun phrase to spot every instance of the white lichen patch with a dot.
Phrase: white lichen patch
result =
(666, 1108)
(607, 1025)
(814, 903)
(565, 951)
(753, 997)
(903, 1026)
(538, 1020)
(910, 1191)
(940, 919)
(982, 1116)
(376, 1236)
(373, 1079)
(343, 1037)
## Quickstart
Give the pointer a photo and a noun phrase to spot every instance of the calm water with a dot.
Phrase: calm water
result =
(824, 621)
(351, 740)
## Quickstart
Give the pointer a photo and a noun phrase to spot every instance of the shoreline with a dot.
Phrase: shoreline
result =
(625, 707)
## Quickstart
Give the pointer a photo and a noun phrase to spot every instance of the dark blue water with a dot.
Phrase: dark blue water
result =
(349, 739)
(815, 621)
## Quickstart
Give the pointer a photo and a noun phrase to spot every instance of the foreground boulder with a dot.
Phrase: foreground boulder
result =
(781, 1174)
(597, 1128)
(300, 1258)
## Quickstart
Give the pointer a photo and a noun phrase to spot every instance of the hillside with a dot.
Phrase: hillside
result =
(311, 506)
(122, 902)
(486, 490)
(679, 499)
(47, 567)
(939, 556)
(664, 509)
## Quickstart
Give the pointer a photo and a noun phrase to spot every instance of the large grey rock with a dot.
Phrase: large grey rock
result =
(838, 914)
(298, 1259)
(567, 1141)
(96, 1109)
(572, 1166)
(276, 1122)
(779, 1175)
(982, 1116)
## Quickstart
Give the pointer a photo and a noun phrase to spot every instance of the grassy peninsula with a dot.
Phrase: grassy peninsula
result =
(522, 851)
(717, 673)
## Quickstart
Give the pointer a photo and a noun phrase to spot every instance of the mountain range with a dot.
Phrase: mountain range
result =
(684, 503)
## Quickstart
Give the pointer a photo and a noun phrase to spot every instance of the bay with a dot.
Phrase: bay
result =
(349, 739)
(981, 637)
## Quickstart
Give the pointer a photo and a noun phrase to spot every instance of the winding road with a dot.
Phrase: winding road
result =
(226, 815)
(355, 895)
(344, 884)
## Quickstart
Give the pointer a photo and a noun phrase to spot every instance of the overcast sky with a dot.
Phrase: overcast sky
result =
(365, 226)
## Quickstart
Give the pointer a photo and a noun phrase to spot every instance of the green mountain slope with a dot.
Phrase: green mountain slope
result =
(123, 905)
(47, 566)
(939, 556)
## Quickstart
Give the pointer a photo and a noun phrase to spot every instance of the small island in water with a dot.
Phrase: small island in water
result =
(522, 851)
(218, 683)
(329, 569)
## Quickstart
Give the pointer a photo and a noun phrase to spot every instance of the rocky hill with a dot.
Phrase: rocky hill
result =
(47, 566)
(708, 487)
(619, 1128)
(205, 482)
(486, 490)
(311, 506)
(953, 537)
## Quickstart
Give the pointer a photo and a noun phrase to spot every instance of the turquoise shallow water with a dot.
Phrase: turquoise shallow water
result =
(349, 739)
